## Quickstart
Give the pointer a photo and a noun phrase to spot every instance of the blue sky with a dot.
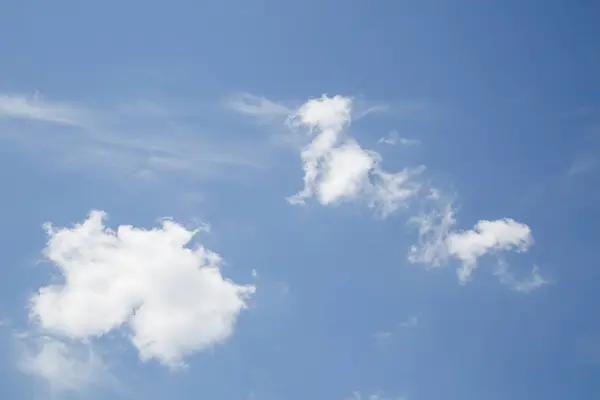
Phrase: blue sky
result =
(402, 196)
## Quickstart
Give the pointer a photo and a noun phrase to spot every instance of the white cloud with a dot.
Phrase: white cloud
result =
(64, 367)
(439, 241)
(346, 171)
(139, 139)
(337, 168)
(391, 191)
(372, 109)
(248, 104)
(487, 236)
(434, 227)
(172, 298)
(525, 285)
(18, 106)
(393, 138)
(328, 116)
(411, 322)
(325, 114)
(382, 336)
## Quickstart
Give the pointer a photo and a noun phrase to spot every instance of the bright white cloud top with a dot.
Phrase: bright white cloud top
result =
(174, 299)
(337, 168)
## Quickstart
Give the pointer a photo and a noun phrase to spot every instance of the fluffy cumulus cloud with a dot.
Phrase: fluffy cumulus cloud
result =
(487, 236)
(172, 299)
(439, 241)
(337, 168)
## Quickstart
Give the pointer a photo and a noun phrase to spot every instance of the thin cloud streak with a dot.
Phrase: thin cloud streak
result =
(18, 106)
(394, 138)
(256, 106)
(141, 139)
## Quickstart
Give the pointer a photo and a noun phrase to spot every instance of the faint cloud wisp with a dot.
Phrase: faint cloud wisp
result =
(141, 139)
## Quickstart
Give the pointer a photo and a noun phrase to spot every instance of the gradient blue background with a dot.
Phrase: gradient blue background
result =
(503, 95)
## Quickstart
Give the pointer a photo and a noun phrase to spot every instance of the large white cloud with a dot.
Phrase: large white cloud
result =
(337, 168)
(172, 298)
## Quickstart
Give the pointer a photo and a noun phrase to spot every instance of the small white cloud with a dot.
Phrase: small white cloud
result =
(248, 104)
(17, 106)
(254, 273)
(525, 285)
(337, 168)
(382, 336)
(325, 114)
(412, 322)
(393, 138)
(487, 236)
(64, 367)
(438, 241)
(172, 298)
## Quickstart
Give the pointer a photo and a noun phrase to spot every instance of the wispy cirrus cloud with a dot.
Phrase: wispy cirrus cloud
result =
(19, 106)
(524, 285)
(257, 106)
(383, 336)
(141, 139)
(394, 138)
(587, 157)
